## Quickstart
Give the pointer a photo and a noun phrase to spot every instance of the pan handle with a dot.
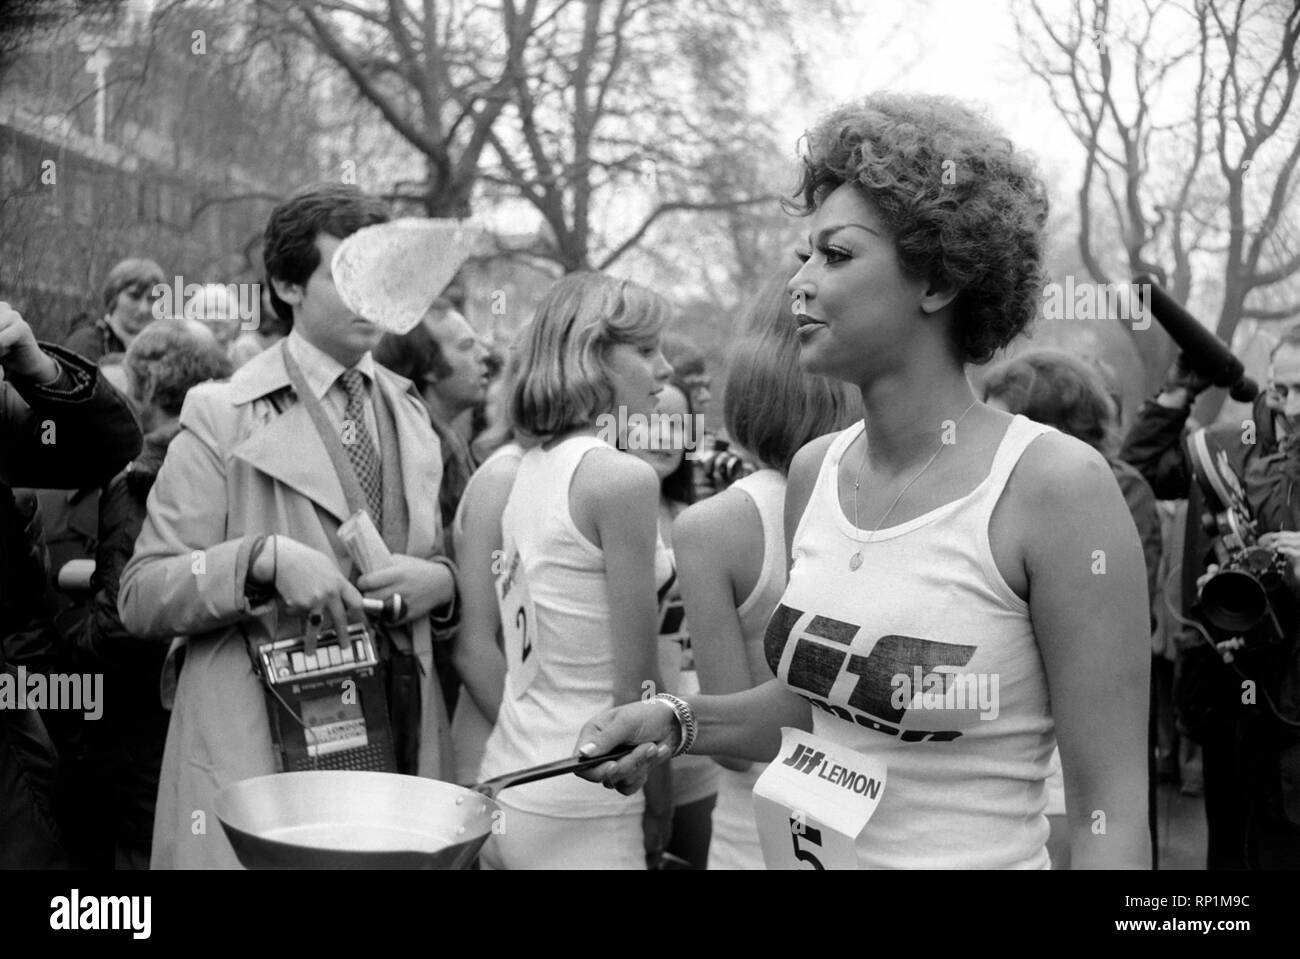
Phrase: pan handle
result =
(570, 764)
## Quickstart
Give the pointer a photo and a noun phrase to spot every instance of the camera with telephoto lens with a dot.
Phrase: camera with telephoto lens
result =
(1238, 597)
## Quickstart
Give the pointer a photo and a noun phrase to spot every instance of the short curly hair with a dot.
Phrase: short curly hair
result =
(963, 205)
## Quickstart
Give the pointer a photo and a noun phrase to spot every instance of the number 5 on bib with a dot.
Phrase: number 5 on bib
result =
(813, 802)
(518, 624)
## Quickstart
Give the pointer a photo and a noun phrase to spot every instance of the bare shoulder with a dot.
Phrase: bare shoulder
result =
(1060, 490)
(498, 469)
(610, 477)
(808, 461)
(1059, 471)
(802, 479)
(727, 524)
(490, 486)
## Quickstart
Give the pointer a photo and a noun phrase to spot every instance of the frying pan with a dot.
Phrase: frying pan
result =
(369, 820)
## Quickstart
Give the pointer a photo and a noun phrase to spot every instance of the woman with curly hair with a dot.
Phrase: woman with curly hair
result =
(966, 587)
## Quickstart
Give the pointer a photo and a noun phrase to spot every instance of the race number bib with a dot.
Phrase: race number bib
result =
(813, 802)
(518, 624)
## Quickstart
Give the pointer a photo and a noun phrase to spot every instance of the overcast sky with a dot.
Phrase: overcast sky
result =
(962, 48)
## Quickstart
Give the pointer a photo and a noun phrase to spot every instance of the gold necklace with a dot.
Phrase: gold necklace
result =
(855, 561)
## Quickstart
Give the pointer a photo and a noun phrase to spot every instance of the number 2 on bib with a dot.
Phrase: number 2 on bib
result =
(518, 624)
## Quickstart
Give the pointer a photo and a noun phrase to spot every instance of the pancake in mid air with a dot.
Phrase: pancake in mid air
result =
(391, 273)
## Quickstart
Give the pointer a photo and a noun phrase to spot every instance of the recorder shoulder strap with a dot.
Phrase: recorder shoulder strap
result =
(352, 492)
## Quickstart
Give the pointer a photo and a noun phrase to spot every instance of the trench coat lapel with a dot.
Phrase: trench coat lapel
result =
(287, 448)
(421, 461)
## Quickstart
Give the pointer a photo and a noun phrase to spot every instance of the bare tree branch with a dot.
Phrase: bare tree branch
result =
(665, 208)
(1286, 313)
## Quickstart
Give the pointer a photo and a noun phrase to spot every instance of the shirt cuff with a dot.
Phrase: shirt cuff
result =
(74, 382)
(445, 618)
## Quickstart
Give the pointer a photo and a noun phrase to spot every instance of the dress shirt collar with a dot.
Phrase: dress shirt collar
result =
(320, 369)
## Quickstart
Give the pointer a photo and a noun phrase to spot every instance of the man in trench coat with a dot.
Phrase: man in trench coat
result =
(249, 463)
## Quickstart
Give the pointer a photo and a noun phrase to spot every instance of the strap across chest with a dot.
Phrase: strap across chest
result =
(395, 519)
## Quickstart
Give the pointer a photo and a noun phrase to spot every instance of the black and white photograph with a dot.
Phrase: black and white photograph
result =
(626, 435)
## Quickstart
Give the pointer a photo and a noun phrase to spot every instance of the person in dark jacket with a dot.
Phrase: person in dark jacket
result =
(70, 516)
(61, 425)
(1241, 707)
(126, 745)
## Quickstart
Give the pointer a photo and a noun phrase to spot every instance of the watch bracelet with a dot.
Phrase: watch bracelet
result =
(686, 720)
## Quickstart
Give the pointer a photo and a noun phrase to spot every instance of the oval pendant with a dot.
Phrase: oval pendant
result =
(855, 561)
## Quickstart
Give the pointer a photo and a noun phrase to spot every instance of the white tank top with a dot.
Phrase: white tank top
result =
(925, 659)
(565, 574)
(735, 836)
(469, 727)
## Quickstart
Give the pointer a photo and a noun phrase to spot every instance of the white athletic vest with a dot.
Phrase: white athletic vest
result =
(925, 659)
(565, 575)
(735, 837)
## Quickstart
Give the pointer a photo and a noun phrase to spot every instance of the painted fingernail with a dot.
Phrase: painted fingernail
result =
(586, 749)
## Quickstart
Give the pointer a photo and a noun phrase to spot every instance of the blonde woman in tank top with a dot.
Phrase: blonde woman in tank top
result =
(730, 548)
(578, 574)
(966, 587)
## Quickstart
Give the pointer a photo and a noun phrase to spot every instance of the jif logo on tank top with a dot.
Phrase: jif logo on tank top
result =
(889, 686)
